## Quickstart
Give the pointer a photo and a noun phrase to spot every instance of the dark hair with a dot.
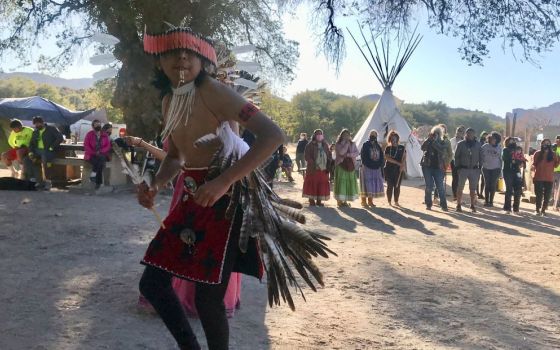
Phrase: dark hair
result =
(469, 130)
(15, 123)
(391, 133)
(460, 128)
(506, 141)
(95, 121)
(339, 138)
(496, 135)
(37, 119)
(550, 155)
(107, 126)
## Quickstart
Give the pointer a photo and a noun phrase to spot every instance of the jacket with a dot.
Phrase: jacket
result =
(90, 144)
(491, 156)
(345, 150)
(51, 138)
(311, 151)
(365, 154)
(431, 147)
(467, 157)
(20, 139)
(544, 170)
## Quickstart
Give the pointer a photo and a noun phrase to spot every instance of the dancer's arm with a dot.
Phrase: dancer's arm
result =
(133, 141)
(227, 105)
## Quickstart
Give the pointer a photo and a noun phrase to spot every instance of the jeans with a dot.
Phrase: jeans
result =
(490, 177)
(432, 176)
(45, 158)
(555, 189)
(513, 188)
(454, 179)
(97, 165)
(300, 161)
(543, 189)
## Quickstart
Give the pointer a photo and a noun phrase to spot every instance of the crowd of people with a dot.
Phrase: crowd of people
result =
(375, 169)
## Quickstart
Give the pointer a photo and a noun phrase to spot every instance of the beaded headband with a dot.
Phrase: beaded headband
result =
(179, 38)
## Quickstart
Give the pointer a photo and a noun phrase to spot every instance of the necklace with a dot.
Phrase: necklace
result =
(394, 155)
(180, 106)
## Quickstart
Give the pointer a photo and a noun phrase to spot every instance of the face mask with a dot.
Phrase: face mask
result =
(319, 138)
(373, 138)
(512, 145)
(394, 140)
(97, 128)
(39, 127)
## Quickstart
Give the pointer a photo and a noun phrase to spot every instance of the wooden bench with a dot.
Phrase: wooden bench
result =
(66, 156)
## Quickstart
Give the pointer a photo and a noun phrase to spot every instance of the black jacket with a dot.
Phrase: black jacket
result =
(365, 154)
(51, 138)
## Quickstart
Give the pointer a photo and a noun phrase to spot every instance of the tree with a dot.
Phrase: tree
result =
(531, 26)
(73, 22)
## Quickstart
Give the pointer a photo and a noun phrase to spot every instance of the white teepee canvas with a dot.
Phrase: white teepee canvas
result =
(384, 117)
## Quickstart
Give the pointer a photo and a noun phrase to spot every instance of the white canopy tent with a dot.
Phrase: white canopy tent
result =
(386, 116)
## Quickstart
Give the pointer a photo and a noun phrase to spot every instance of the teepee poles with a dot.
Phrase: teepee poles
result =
(379, 60)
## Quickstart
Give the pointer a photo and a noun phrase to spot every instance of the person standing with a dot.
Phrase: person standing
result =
(544, 162)
(371, 177)
(395, 156)
(467, 162)
(345, 182)
(459, 136)
(19, 140)
(480, 187)
(44, 141)
(510, 172)
(316, 185)
(556, 187)
(300, 152)
(97, 147)
(433, 167)
(491, 160)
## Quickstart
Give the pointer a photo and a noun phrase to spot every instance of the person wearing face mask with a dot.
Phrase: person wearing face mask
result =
(544, 162)
(433, 167)
(395, 166)
(483, 139)
(371, 176)
(467, 162)
(345, 181)
(44, 141)
(97, 146)
(510, 170)
(316, 185)
(300, 151)
(459, 136)
(491, 160)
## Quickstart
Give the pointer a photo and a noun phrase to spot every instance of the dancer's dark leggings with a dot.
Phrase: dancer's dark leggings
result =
(543, 190)
(155, 285)
(393, 187)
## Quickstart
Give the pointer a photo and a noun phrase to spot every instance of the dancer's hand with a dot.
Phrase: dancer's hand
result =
(209, 193)
(146, 195)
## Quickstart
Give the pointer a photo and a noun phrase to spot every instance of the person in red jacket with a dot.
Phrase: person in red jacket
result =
(544, 162)
(97, 146)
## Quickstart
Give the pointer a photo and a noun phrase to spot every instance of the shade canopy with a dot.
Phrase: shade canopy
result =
(28, 107)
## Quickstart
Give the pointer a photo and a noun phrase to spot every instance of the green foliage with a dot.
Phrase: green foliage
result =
(319, 109)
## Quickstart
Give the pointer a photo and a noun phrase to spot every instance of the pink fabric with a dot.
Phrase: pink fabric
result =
(184, 289)
(346, 150)
(90, 142)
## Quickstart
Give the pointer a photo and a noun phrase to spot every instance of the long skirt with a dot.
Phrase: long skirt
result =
(345, 184)
(371, 182)
(316, 185)
(185, 289)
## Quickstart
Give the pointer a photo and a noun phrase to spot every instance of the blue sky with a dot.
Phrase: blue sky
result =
(435, 72)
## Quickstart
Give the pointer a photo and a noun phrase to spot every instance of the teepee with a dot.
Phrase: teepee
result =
(385, 115)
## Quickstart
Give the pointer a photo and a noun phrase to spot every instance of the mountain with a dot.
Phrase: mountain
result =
(75, 84)
(538, 117)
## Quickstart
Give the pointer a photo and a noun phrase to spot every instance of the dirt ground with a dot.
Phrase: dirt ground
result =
(404, 279)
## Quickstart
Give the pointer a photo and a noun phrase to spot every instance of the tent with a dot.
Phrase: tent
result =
(385, 116)
(28, 107)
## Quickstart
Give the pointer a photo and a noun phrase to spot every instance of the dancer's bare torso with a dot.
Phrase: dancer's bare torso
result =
(202, 120)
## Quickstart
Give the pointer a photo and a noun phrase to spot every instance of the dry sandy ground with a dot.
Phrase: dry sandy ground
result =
(404, 278)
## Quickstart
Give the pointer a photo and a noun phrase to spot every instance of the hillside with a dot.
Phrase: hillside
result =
(538, 117)
(74, 84)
